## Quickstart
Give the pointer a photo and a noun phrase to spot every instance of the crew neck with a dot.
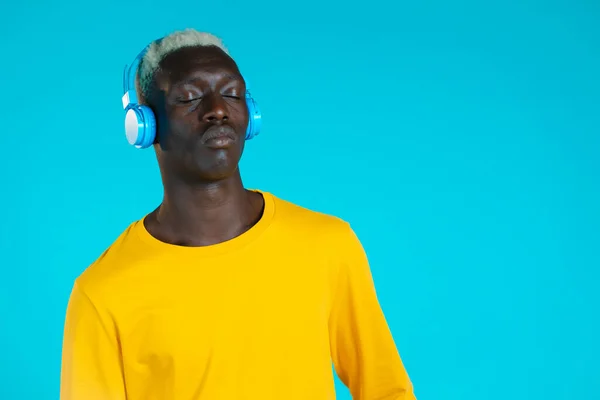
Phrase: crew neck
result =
(216, 249)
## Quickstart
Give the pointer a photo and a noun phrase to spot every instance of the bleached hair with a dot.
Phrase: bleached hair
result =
(158, 50)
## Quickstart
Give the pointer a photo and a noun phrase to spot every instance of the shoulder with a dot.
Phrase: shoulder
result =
(330, 229)
(327, 237)
(98, 278)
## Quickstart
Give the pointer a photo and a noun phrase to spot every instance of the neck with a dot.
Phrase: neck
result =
(204, 214)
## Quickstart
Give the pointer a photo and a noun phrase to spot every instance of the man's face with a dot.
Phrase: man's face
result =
(201, 114)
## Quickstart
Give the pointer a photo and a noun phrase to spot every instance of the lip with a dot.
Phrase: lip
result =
(218, 137)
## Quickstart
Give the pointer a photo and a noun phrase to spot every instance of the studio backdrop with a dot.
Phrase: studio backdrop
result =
(459, 138)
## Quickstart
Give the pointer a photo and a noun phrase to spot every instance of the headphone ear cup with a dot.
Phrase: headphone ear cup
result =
(254, 118)
(140, 126)
(149, 127)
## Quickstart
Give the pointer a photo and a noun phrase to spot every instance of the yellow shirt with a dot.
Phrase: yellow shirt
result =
(260, 317)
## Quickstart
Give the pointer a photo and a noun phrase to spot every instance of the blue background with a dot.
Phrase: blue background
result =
(459, 138)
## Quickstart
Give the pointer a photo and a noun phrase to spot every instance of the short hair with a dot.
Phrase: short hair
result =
(159, 49)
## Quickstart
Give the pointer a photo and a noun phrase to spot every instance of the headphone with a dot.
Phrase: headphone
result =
(140, 123)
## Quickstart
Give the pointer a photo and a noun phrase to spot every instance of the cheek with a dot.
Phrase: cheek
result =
(177, 132)
(163, 125)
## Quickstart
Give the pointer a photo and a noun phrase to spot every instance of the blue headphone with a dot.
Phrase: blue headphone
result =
(140, 123)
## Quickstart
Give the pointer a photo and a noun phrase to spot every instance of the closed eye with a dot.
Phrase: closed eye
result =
(187, 101)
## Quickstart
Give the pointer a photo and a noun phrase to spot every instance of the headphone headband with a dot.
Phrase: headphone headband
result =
(129, 74)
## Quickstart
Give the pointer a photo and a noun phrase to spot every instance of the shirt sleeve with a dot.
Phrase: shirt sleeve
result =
(363, 350)
(91, 362)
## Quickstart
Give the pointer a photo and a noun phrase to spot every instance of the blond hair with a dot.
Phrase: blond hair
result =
(159, 49)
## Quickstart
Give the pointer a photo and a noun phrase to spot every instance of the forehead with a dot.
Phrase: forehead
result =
(198, 63)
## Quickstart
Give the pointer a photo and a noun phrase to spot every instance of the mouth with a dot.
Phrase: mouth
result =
(218, 137)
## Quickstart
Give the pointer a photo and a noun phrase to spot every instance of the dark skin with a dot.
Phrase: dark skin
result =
(198, 93)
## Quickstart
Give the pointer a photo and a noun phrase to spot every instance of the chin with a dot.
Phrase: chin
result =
(218, 168)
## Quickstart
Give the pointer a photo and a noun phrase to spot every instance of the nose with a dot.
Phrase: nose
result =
(215, 110)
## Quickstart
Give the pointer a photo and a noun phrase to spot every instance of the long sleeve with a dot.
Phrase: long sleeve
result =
(91, 363)
(364, 353)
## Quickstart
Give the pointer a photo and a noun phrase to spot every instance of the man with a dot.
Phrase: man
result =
(221, 292)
